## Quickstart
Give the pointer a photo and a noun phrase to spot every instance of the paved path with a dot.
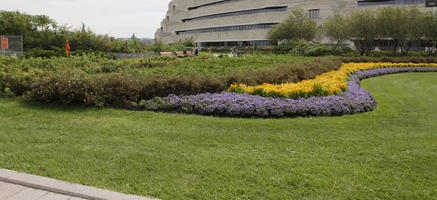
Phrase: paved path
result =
(9, 191)
(21, 186)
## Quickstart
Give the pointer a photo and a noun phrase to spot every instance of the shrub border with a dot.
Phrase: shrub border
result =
(228, 104)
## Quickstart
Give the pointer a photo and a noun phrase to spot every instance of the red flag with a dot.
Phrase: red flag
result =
(67, 48)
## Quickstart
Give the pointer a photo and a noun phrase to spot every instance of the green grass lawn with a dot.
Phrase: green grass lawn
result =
(390, 153)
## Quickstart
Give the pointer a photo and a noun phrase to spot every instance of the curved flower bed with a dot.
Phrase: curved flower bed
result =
(330, 83)
(354, 100)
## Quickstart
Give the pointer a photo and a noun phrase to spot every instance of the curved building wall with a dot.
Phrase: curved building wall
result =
(246, 22)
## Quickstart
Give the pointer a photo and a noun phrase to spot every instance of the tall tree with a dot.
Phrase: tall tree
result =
(391, 25)
(298, 26)
(335, 28)
(363, 30)
(430, 31)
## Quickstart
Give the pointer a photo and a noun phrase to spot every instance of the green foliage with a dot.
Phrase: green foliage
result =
(39, 31)
(402, 25)
(304, 48)
(430, 31)
(31, 53)
(363, 29)
(335, 29)
(389, 59)
(119, 89)
(296, 27)
(43, 37)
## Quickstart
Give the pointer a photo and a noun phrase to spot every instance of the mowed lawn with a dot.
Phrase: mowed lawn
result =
(390, 153)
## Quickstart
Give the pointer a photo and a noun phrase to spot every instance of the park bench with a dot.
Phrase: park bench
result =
(169, 54)
(180, 54)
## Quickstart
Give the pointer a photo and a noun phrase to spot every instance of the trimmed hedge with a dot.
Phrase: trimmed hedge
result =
(389, 59)
(77, 87)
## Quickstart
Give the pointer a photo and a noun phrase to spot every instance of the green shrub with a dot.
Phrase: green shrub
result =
(304, 48)
(119, 90)
(32, 53)
(390, 59)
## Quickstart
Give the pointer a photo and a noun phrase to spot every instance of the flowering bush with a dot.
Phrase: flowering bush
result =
(354, 100)
(330, 83)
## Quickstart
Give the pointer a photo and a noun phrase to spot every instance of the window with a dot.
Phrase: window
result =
(314, 13)
(168, 18)
(174, 8)
(389, 2)
(162, 29)
(213, 4)
(238, 13)
(227, 28)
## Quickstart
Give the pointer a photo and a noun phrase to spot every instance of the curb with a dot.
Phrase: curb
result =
(62, 187)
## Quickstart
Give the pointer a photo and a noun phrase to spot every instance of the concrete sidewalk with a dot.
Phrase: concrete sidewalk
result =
(21, 186)
(9, 191)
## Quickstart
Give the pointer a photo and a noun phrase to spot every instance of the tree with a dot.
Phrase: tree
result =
(298, 26)
(335, 28)
(391, 25)
(416, 28)
(363, 30)
(430, 31)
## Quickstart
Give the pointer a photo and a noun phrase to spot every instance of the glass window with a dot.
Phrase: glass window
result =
(314, 13)
(237, 13)
(390, 2)
(228, 28)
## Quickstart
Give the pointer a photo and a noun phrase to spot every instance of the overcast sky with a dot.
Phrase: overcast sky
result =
(118, 18)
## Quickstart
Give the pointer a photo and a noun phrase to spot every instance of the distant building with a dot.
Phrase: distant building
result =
(133, 37)
(229, 23)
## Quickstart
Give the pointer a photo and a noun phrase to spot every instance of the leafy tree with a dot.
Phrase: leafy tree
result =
(363, 30)
(416, 26)
(38, 30)
(402, 25)
(43, 36)
(298, 26)
(335, 28)
(430, 31)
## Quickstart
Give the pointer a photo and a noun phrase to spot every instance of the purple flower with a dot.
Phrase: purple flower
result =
(354, 100)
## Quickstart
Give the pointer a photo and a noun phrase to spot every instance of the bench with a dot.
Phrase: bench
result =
(169, 54)
(180, 54)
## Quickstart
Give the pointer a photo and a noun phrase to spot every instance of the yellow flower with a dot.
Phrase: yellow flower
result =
(332, 83)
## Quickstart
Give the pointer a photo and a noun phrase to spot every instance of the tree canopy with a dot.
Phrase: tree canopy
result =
(298, 26)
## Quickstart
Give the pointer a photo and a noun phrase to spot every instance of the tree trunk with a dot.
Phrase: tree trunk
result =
(403, 46)
(434, 47)
(395, 46)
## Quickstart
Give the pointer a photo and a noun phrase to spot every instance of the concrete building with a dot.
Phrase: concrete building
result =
(229, 23)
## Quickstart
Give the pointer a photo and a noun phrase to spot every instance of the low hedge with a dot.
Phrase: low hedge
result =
(77, 87)
(389, 59)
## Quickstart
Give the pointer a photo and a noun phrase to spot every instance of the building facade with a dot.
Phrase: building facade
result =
(230, 23)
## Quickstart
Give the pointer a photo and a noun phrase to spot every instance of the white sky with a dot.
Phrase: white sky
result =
(118, 18)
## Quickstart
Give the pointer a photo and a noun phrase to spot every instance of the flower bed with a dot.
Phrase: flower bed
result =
(354, 100)
(330, 83)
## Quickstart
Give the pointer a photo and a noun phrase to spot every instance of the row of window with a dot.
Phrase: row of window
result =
(213, 4)
(227, 28)
(237, 13)
(389, 2)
